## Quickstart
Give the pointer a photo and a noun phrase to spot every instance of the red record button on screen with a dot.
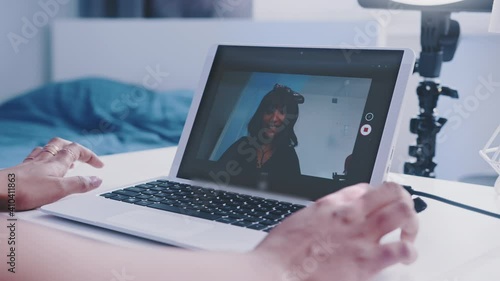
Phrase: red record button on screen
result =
(366, 130)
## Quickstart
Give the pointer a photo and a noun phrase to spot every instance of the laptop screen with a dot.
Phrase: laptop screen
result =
(295, 121)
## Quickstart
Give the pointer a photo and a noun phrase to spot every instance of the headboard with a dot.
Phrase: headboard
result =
(128, 50)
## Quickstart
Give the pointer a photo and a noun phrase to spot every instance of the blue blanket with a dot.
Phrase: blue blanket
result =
(106, 116)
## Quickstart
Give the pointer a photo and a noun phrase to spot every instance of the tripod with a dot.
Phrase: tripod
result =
(439, 39)
(427, 125)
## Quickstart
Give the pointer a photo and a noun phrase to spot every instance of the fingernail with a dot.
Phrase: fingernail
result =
(95, 181)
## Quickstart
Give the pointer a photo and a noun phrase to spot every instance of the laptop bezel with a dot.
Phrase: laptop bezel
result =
(386, 147)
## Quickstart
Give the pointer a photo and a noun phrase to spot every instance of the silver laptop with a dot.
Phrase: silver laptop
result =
(270, 130)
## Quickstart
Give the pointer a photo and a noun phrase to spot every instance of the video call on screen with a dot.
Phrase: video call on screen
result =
(302, 122)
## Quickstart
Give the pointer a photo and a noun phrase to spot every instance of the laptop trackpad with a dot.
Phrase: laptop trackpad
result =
(163, 225)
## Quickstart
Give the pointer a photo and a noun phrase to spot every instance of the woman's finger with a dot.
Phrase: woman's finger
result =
(393, 253)
(75, 152)
(52, 148)
(399, 214)
(54, 189)
(33, 154)
(79, 184)
(346, 195)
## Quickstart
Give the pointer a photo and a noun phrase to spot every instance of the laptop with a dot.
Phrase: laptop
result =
(270, 130)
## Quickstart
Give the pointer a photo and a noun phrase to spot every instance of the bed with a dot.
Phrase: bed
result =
(126, 85)
(104, 115)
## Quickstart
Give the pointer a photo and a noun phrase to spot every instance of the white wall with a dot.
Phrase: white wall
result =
(177, 47)
(26, 65)
(308, 10)
(326, 131)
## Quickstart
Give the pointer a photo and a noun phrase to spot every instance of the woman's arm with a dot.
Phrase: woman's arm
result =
(337, 238)
(45, 254)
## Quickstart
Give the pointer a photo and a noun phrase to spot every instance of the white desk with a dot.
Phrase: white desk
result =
(454, 244)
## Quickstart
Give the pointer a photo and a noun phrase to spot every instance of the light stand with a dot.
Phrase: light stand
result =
(439, 38)
(439, 41)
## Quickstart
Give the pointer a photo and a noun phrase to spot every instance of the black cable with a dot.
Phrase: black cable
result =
(450, 202)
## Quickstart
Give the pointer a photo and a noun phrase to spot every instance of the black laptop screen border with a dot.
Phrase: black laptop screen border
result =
(381, 66)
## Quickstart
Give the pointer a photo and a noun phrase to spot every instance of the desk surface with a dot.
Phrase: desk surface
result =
(453, 244)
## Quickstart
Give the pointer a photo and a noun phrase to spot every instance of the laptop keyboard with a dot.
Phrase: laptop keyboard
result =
(206, 203)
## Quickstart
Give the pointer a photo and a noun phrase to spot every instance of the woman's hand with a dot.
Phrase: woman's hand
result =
(338, 237)
(39, 180)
